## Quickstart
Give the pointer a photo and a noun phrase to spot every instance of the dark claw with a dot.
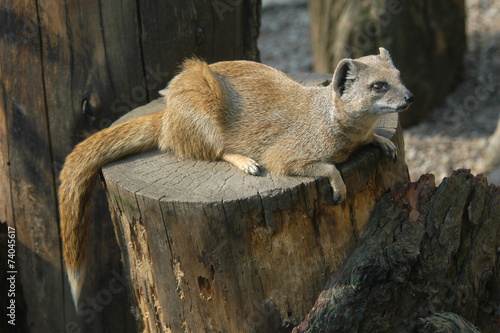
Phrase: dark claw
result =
(259, 169)
(254, 169)
(394, 158)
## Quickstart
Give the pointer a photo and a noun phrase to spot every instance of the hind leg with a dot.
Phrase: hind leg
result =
(243, 163)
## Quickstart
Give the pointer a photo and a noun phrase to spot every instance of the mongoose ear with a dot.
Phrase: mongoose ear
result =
(384, 55)
(346, 72)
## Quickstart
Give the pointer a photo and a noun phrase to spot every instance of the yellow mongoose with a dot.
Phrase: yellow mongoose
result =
(241, 112)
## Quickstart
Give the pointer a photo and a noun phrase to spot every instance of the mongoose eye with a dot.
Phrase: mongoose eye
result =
(379, 86)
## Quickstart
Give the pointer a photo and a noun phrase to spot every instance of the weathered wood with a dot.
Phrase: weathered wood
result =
(210, 248)
(425, 38)
(6, 213)
(70, 68)
(426, 250)
(33, 201)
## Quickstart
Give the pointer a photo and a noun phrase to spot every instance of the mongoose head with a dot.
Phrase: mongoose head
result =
(370, 86)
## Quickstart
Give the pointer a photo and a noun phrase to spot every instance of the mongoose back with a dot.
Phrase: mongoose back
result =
(247, 114)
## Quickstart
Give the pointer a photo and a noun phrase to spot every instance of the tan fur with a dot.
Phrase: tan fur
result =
(77, 179)
(247, 114)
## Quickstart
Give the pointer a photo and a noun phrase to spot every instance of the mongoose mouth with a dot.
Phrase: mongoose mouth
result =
(396, 109)
(402, 107)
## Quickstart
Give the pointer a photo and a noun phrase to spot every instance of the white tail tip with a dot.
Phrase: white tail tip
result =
(76, 278)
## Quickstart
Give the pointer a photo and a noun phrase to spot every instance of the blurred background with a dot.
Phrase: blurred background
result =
(455, 130)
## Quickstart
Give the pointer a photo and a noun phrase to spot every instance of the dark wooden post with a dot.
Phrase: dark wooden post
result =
(67, 69)
(209, 248)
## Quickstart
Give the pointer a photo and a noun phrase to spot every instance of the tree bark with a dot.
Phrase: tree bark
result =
(210, 248)
(425, 38)
(425, 251)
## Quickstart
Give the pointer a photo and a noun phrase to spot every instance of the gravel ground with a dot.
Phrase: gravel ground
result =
(454, 134)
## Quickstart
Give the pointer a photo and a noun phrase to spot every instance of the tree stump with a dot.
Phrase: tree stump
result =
(209, 248)
(425, 38)
(429, 258)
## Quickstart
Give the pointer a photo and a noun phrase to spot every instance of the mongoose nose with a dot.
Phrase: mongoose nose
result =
(409, 98)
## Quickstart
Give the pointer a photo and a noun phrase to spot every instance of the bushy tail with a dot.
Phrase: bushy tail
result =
(77, 179)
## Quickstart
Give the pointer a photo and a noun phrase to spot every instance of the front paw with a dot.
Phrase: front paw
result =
(388, 147)
(252, 168)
